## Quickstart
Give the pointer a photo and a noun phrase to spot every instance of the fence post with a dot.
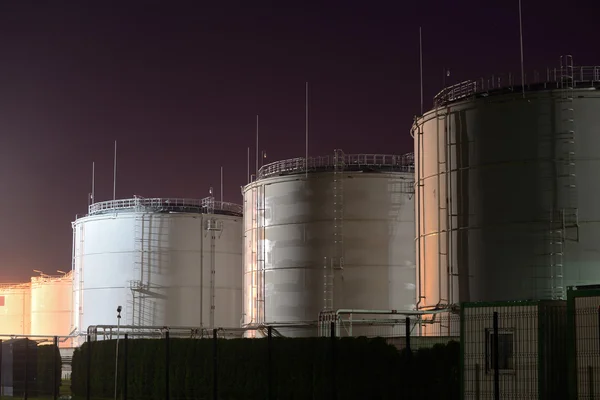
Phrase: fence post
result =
(26, 395)
(590, 382)
(269, 362)
(54, 371)
(1, 383)
(215, 366)
(333, 370)
(167, 364)
(88, 385)
(125, 367)
(477, 387)
(407, 326)
(495, 357)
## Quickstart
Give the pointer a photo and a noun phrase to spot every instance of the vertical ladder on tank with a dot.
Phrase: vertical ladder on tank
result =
(260, 253)
(213, 226)
(339, 165)
(442, 171)
(139, 304)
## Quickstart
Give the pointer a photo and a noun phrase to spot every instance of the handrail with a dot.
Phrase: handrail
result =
(403, 162)
(553, 76)
(207, 205)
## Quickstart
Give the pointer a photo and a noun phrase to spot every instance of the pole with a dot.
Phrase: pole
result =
(306, 129)
(495, 358)
(93, 182)
(125, 367)
(26, 395)
(269, 363)
(248, 169)
(115, 174)
(167, 366)
(333, 384)
(421, 65)
(221, 183)
(407, 326)
(1, 383)
(54, 370)
(88, 383)
(215, 366)
(256, 147)
(521, 39)
(117, 352)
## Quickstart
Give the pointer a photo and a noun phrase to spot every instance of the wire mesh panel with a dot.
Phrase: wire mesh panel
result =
(587, 346)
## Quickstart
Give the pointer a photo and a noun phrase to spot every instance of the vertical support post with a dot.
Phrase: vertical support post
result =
(26, 395)
(407, 326)
(477, 384)
(215, 366)
(590, 382)
(495, 358)
(333, 370)
(167, 364)
(88, 389)
(125, 355)
(1, 383)
(54, 370)
(269, 363)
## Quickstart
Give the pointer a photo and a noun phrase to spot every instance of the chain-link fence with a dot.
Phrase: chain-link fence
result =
(358, 359)
(31, 367)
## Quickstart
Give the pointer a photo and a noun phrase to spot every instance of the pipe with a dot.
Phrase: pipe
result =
(390, 312)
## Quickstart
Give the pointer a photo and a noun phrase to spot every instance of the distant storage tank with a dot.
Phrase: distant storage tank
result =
(51, 305)
(340, 235)
(508, 190)
(15, 309)
(167, 262)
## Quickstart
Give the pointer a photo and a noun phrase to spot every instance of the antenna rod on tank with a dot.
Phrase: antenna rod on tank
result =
(248, 169)
(115, 174)
(93, 182)
(256, 147)
(221, 183)
(306, 128)
(521, 38)
(421, 65)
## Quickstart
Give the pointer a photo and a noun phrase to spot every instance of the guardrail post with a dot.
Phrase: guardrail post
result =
(333, 369)
(215, 366)
(407, 326)
(55, 380)
(88, 383)
(269, 363)
(167, 365)
(496, 365)
(125, 367)
(26, 394)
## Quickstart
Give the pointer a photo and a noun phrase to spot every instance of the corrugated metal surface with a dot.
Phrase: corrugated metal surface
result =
(495, 201)
(289, 233)
(157, 266)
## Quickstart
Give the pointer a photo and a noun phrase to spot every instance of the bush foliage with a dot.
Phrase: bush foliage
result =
(301, 368)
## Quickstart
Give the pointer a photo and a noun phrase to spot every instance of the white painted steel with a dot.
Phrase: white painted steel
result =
(492, 196)
(15, 311)
(51, 305)
(120, 256)
(294, 237)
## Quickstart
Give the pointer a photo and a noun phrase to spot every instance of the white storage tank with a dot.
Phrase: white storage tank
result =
(167, 262)
(15, 309)
(338, 234)
(51, 304)
(508, 189)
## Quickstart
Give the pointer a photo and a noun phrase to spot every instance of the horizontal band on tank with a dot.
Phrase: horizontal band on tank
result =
(567, 77)
(340, 162)
(207, 205)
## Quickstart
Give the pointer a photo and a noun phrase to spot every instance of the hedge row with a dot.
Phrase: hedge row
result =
(301, 368)
(45, 378)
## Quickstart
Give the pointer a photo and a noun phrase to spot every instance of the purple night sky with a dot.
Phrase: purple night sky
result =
(178, 86)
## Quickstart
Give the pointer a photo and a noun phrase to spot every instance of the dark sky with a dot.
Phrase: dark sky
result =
(178, 86)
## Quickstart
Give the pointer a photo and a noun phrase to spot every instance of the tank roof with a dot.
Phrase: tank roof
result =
(208, 205)
(340, 161)
(567, 77)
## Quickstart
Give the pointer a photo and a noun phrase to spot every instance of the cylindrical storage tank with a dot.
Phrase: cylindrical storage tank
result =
(336, 235)
(508, 190)
(166, 262)
(51, 305)
(15, 309)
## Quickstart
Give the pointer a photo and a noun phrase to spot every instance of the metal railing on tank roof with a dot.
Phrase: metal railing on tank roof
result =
(401, 163)
(550, 78)
(207, 205)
